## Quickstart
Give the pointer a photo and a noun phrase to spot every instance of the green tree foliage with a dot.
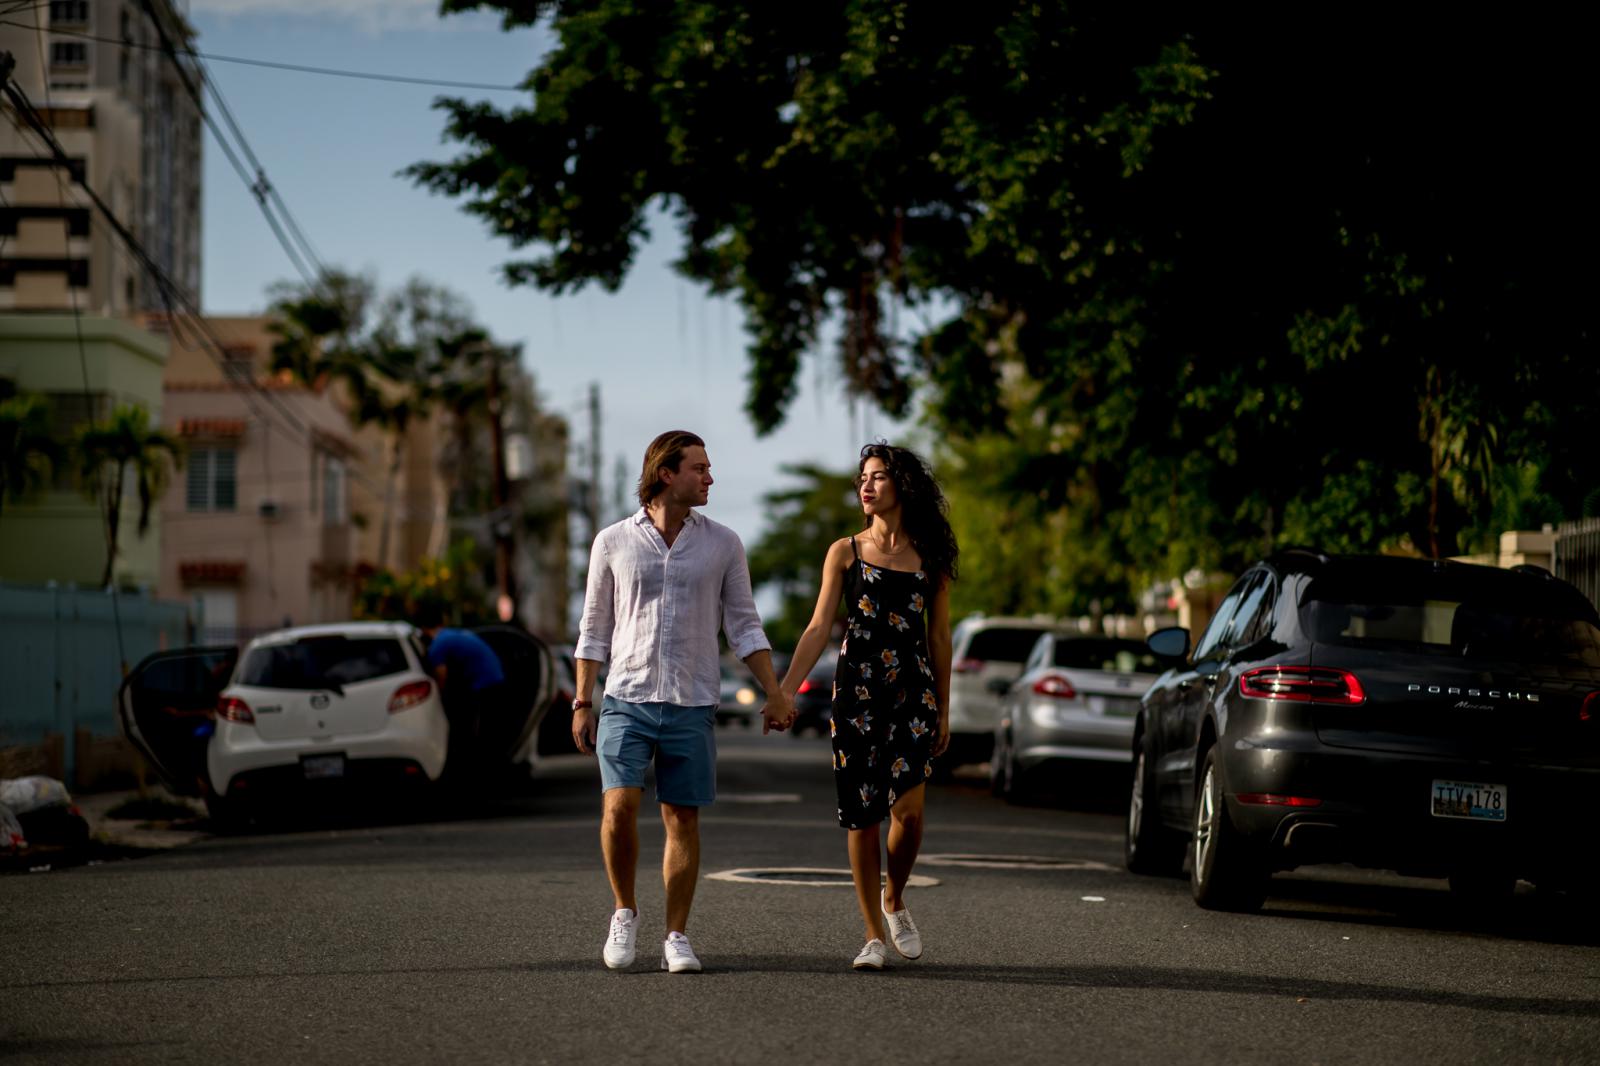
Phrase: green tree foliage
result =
(451, 583)
(125, 447)
(1176, 285)
(28, 454)
(804, 520)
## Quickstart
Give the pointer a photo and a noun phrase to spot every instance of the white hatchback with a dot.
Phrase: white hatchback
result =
(325, 702)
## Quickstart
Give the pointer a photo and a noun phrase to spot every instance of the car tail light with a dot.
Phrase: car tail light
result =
(1272, 799)
(235, 710)
(1590, 711)
(1309, 684)
(409, 695)
(1055, 685)
(967, 666)
(805, 686)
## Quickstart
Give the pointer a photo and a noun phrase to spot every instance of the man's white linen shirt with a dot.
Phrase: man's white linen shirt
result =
(654, 611)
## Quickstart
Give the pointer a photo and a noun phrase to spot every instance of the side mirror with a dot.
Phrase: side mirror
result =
(999, 686)
(1171, 643)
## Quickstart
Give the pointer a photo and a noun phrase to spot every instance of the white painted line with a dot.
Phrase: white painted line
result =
(1094, 899)
(753, 875)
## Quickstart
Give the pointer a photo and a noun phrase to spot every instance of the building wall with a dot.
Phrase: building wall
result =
(58, 536)
(282, 553)
(125, 113)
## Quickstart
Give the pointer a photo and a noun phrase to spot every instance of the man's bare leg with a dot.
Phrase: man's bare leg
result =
(680, 864)
(619, 841)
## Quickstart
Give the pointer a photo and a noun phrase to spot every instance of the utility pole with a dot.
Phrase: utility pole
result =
(501, 525)
(593, 498)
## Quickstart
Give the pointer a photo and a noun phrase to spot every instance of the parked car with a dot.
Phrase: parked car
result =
(813, 701)
(986, 657)
(1075, 703)
(1430, 717)
(740, 700)
(345, 702)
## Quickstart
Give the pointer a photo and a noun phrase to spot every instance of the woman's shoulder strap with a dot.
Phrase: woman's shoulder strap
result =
(853, 549)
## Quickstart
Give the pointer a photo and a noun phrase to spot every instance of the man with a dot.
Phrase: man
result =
(660, 584)
(472, 684)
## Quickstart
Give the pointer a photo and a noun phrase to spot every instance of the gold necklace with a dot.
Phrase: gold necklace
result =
(882, 550)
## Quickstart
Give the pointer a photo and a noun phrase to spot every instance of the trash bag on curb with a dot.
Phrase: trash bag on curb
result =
(24, 794)
(11, 838)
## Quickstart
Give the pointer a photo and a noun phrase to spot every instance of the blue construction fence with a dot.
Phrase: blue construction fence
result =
(63, 653)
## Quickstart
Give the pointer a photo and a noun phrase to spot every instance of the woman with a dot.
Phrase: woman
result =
(891, 691)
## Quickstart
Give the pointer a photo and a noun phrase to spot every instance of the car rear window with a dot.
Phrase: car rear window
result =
(1003, 644)
(1452, 615)
(323, 662)
(1113, 656)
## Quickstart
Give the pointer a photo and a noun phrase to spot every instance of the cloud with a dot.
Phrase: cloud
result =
(374, 16)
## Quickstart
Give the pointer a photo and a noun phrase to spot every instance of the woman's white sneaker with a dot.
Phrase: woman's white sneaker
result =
(902, 930)
(677, 956)
(619, 949)
(872, 956)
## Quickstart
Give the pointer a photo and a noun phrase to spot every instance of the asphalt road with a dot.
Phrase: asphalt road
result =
(476, 937)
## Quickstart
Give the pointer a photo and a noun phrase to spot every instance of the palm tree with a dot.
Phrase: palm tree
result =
(27, 452)
(111, 450)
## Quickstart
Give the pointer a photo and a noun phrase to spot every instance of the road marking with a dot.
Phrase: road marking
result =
(1015, 862)
(809, 876)
(1093, 899)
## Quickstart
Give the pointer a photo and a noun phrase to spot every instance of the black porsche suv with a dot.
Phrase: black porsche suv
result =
(1430, 717)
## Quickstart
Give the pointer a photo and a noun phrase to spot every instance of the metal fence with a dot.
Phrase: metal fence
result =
(1578, 555)
(63, 650)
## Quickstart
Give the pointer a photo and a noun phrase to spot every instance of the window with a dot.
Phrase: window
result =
(1211, 639)
(69, 11)
(1245, 623)
(212, 485)
(69, 54)
(333, 510)
(1110, 655)
(323, 662)
(69, 412)
(239, 362)
(1002, 644)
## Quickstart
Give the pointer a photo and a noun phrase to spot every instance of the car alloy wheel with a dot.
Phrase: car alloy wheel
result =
(1150, 847)
(1229, 873)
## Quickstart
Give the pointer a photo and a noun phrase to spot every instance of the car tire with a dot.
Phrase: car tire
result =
(1013, 785)
(227, 816)
(1149, 847)
(1226, 872)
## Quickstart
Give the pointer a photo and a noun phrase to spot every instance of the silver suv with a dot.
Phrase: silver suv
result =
(987, 654)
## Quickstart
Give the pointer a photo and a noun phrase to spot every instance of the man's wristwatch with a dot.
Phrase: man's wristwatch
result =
(579, 705)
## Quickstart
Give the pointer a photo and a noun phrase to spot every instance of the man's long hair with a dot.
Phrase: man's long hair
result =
(665, 451)
(923, 508)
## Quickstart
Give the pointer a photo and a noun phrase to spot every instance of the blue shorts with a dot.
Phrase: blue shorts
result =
(681, 740)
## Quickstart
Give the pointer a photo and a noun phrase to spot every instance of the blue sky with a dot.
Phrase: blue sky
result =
(665, 354)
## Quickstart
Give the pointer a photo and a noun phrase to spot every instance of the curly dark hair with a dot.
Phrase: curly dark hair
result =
(922, 506)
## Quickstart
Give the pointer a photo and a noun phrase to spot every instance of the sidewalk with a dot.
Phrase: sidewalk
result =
(170, 830)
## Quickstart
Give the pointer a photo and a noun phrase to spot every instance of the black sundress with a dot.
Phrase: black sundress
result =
(885, 713)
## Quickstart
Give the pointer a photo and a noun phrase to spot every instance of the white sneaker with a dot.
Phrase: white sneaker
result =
(677, 956)
(902, 930)
(619, 944)
(872, 956)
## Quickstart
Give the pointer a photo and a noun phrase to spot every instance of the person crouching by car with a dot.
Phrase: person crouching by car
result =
(472, 684)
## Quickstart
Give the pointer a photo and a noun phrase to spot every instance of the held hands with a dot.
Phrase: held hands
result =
(778, 712)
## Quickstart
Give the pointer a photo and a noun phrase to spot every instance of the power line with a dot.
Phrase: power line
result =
(171, 295)
(296, 67)
(258, 184)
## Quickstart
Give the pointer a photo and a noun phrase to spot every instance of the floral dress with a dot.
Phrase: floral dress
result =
(885, 713)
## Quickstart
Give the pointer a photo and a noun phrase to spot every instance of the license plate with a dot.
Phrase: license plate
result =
(1469, 799)
(318, 766)
(1115, 706)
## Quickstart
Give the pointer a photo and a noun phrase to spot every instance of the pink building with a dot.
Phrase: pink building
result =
(258, 527)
